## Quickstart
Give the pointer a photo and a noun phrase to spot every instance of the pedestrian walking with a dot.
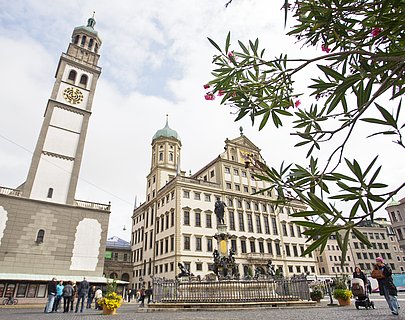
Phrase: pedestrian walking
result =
(51, 295)
(383, 273)
(142, 297)
(129, 292)
(82, 291)
(67, 296)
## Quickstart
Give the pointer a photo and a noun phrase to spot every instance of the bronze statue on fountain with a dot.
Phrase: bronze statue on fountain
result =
(225, 267)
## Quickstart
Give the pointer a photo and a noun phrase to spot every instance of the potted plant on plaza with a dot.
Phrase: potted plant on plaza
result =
(343, 296)
(111, 301)
(317, 290)
(341, 293)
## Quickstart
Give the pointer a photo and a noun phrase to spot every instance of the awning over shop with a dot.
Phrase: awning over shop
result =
(48, 277)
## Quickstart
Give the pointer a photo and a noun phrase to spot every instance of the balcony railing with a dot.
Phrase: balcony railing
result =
(10, 192)
(93, 205)
(80, 203)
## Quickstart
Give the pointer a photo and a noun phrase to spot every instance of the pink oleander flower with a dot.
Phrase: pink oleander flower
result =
(297, 103)
(325, 48)
(206, 86)
(221, 92)
(231, 54)
(209, 96)
(376, 31)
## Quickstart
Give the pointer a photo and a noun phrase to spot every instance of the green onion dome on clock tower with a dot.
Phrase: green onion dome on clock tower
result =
(166, 132)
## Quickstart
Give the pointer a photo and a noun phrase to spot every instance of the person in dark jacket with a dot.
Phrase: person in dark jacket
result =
(360, 275)
(82, 291)
(90, 296)
(386, 285)
(51, 295)
(67, 296)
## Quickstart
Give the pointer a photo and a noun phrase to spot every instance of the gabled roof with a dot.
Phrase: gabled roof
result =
(243, 141)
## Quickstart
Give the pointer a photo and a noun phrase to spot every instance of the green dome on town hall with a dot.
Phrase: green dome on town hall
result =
(166, 132)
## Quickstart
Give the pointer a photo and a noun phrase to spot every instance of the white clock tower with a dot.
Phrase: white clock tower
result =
(56, 161)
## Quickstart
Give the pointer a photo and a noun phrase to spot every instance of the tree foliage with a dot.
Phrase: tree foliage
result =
(360, 78)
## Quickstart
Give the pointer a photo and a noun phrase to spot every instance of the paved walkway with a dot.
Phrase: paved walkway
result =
(132, 311)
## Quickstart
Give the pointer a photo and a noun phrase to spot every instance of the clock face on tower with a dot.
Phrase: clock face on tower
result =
(73, 95)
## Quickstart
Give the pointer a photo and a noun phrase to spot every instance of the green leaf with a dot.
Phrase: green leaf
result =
(359, 235)
(228, 42)
(264, 120)
(245, 50)
(373, 120)
(215, 45)
(330, 72)
(387, 116)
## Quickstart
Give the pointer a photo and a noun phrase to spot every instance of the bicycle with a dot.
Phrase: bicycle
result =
(10, 301)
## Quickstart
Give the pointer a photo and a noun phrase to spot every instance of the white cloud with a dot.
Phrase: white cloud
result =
(155, 58)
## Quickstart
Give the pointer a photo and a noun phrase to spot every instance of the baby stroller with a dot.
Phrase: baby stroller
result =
(361, 294)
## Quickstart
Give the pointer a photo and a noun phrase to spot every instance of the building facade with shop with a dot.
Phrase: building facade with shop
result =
(384, 243)
(177, 223)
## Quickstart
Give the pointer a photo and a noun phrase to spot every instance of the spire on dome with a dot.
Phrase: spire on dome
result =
(91, 22)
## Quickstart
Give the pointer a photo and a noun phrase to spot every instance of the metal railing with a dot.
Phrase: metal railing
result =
(93, 205)
(231, 291)
(10, 192)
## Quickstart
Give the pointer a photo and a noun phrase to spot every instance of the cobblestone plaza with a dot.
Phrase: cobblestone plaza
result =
(131, 311)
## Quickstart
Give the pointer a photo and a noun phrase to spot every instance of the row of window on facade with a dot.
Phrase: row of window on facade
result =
(370, 266)
(255, 246)
(373, 255)
(380, 245)
(240, 204)
(116, 256)
(83, 78)
(338, 270)
(167, 221)
(260, 220)
(238, 172)
(83, 42)
(396, 216)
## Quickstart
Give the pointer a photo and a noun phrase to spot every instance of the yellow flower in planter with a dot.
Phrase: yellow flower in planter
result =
(111, 301)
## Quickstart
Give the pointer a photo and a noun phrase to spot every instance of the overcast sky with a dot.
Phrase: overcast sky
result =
(155, 59)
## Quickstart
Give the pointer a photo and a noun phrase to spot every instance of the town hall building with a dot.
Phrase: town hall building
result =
(177, 224)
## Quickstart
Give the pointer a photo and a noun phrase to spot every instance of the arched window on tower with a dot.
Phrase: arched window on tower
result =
(83, 80)
(50, 193)
(160, 156)
(40, 236)
(171, 156)
(83, 41)
(91, 41)
(76, 40)
(72, 76)
(96, 48)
